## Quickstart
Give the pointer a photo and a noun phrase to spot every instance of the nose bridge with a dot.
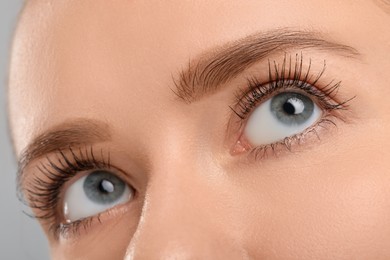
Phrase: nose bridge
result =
(173, 222)
(179, 217)
(180, 179)
(183, 215)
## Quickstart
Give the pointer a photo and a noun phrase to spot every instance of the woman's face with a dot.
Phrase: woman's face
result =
(205, 129)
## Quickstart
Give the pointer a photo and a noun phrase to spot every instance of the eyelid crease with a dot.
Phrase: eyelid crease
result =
(75, 132)
(42, 192)
(287, 76)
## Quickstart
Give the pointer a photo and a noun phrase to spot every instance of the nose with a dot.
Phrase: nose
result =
(185, 217)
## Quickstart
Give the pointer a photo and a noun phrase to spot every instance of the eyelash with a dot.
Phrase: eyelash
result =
(289, 76)
(44, 195)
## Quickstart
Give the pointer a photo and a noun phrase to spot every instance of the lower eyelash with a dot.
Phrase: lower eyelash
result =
(289, 77)
(260, 152)
(71, 229)
(43, 192)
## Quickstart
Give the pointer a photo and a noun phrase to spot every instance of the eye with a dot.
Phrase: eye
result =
(284, 109)
(282, 116)
(93, 194)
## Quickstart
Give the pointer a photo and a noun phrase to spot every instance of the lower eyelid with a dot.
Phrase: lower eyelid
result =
(83, 227)
(54, 175)
(95, 192)
(242, 145)
(311, 136)
(292, 143)
(257, 93)
(72, 230)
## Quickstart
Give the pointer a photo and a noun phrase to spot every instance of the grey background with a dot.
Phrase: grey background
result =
(20, 236)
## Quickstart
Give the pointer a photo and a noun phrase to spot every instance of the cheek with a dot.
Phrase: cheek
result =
(323, 220)
(106, 240)
(332, 202)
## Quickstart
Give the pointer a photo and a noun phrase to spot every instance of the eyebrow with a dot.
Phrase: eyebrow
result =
(384, 5)
(210, 70)
(69, 133)
(204, 75)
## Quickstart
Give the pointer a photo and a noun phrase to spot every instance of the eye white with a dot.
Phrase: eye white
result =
(93, 194)
(284, 115)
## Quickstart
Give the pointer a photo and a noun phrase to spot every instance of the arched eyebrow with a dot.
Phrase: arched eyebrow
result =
(210, 70)
(204, 75)
(70, 133)
(384, 5)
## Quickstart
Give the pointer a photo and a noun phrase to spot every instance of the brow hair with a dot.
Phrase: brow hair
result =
(206, 73)
(384, 5)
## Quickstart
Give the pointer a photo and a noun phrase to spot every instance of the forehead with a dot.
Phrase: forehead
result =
(108, 59)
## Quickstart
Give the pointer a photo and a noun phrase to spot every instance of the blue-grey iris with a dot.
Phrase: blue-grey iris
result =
(292, 108)
(103, 187)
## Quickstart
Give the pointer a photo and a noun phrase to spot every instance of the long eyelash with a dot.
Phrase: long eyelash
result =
(43, 193)
(289, 75)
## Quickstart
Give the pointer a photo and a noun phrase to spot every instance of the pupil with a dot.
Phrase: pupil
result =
(103, 188)
(106, 187)
(289, 108)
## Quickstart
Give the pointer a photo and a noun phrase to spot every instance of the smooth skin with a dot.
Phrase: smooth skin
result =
(114, 62)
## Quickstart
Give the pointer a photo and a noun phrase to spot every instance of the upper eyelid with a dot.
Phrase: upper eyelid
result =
(294, 72)
(68, 168)
(58, 169)
(326, 94)
(209, 72)
(74, 132)
(289, 72)
(208, 68)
